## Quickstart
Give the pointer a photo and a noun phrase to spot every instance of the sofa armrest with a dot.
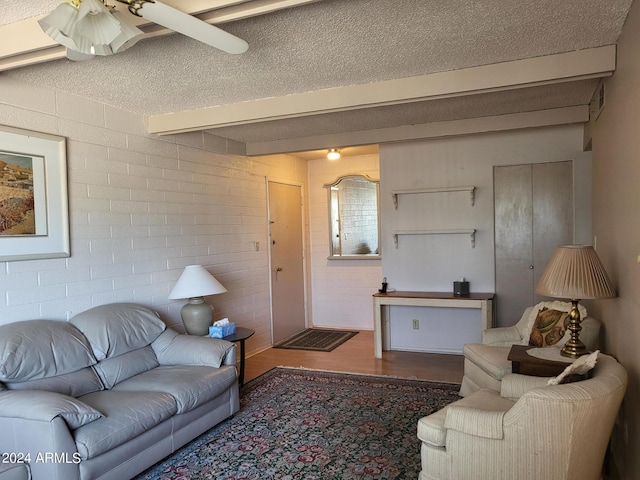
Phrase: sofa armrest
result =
(48, 447)
(13, 471)
(44, 406)
(476, 422)
(172, 348)
(501, 336)
(514, 385)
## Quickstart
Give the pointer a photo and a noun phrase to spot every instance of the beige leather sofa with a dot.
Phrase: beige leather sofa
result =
(485, 364)
(527, 431)
(109, 393)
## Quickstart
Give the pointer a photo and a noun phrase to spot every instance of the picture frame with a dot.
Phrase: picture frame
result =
(34, 205)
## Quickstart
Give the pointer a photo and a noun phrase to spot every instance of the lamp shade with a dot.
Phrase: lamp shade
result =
(196, 281)
(575, 272)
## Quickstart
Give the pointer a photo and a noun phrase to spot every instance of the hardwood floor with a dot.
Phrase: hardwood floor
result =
(356, 356)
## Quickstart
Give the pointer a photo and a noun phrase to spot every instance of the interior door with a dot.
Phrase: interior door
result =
(286, 260)
(533, 215)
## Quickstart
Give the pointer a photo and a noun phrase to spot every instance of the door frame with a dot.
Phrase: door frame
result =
(304, 251)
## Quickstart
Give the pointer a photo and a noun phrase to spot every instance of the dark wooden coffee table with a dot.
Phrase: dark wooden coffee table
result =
(525, 364)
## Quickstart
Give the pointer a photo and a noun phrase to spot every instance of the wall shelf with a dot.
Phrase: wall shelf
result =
(470, 189)
(470, 232)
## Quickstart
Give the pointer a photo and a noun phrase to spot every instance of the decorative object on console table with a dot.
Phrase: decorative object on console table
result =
(576, 273)
(195, 283)
(461, 288)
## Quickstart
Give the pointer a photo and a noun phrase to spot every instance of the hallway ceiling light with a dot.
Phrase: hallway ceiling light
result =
(333, 154)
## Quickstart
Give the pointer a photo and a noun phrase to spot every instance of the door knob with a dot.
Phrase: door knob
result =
(276, 270)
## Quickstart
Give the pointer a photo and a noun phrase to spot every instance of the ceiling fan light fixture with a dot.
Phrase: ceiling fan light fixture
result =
(333, 154)
(129, 34)
(60, 24)
(88, 28)
(95, 23)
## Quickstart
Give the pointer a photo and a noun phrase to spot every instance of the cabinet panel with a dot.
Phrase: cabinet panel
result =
(552, 214)
(513, 241)
(533, 215)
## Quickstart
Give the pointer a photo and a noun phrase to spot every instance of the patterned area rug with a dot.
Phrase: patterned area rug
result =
(317, 339)
(297, 424)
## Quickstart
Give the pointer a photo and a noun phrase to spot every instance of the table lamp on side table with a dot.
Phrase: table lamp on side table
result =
(576, 273)
(195, 283)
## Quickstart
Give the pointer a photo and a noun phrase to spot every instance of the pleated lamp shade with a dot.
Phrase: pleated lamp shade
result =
(575, 272)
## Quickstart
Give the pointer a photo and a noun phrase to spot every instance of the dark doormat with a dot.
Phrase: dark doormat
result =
(316, 339)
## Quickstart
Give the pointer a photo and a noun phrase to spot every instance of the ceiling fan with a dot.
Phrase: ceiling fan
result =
(92, 27)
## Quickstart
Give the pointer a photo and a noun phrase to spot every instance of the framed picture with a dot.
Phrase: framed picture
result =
(34, 212)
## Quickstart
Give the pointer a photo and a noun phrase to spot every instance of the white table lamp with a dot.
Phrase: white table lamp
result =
(195, 283)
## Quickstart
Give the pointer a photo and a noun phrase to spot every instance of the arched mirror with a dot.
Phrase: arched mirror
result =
(354, 217)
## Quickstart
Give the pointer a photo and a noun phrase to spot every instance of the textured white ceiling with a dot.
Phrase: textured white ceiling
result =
(12, 11)
(333, 43)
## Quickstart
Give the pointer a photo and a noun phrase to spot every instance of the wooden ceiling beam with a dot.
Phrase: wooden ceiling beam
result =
(564, 67)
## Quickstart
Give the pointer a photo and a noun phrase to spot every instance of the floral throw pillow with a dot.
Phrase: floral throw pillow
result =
(549, 327)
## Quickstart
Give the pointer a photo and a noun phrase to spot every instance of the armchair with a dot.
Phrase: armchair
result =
(529, 430)
(485, 364)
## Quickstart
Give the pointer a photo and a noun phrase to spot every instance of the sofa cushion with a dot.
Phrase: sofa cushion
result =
(45, 406)
(116, 369)
(191, 385)
(431, 429)
(35, 349)
(126, 415)
(492, 360)
(74, 384)
(118, 328)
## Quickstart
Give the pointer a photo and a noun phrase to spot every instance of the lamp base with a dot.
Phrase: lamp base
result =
(574, 348)
(197, 316)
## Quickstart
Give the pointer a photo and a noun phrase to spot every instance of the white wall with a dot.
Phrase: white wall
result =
(342, 289)
(141, 209)
(616, 224)
(433, 263)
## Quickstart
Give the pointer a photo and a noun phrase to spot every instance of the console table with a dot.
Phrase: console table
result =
(382, 301)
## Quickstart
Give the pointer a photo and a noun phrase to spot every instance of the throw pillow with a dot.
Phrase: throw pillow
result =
(549, 327)
(576, 370)
(559, 305)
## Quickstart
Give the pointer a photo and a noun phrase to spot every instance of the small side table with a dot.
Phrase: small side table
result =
(240, 336)
(525, 364)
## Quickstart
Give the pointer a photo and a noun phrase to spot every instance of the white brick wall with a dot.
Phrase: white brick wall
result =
(342, 289)
(141, 208)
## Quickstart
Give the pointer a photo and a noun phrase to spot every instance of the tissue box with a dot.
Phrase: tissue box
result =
(216, 331)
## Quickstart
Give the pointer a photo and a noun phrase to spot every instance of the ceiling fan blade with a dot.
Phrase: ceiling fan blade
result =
(186, 24)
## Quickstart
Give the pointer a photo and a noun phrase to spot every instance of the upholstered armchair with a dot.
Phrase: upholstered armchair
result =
(527, 431)
(485, 364)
